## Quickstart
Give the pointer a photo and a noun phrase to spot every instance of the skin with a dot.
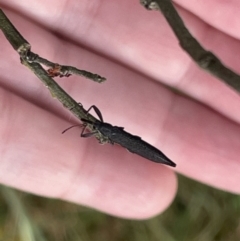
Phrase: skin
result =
(137, 53)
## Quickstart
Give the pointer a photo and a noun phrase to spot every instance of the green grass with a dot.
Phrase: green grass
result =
(199, 213)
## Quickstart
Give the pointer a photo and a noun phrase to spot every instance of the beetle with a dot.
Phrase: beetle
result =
(132, 143)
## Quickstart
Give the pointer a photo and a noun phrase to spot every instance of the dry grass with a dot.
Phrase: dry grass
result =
(199, 213)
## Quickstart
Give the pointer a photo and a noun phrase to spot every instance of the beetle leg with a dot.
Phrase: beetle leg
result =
(98, 112)
(87, 134)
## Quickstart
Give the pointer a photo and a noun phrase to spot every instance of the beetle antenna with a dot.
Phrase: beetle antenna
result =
(71, 127)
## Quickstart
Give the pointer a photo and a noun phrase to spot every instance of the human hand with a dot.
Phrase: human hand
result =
(201, 137)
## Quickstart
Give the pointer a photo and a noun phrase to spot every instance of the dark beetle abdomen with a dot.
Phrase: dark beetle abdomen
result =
(134, 143)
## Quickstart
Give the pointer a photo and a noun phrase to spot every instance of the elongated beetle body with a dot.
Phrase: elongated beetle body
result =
(132, 143)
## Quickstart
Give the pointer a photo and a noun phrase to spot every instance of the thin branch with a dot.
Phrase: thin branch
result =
(205, 59)
(62, 70)
(23, 48)
(103, 131)
(11, 33)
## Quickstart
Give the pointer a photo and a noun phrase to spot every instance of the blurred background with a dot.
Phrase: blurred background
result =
(199, 213)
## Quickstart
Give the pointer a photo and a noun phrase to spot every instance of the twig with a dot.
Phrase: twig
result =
(103, 131)
(23, 48)
(205, 59)
(62, 70)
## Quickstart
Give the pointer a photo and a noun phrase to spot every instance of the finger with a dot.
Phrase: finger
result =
(147, 105)
(35, 157)
(218, 14)
(204, 144)
(143, 41)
